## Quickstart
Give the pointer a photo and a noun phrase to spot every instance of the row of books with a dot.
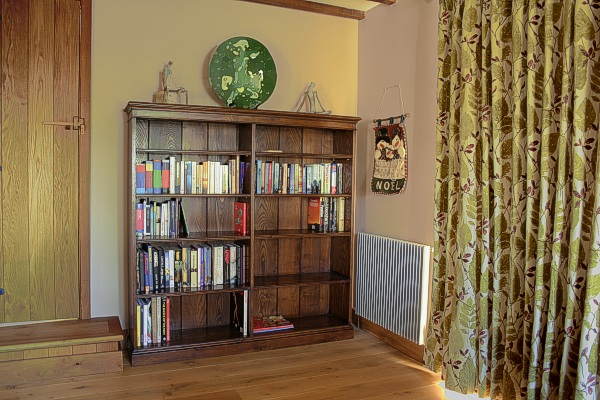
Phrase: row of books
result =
(154, 218)
(170, 176)
(161, 269)
(326, 214)
(153, 319)
(289, 178)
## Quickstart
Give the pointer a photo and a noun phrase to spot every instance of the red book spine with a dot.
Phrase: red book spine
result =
(166, 176)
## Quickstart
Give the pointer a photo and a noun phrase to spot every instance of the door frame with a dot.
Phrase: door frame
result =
(85, 83)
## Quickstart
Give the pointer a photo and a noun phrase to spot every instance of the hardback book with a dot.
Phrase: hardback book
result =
(163, 319)
(167, 300)
(239, 311)
(178, 269)
(241, 218)
(165, 176)
(140, 178)
(139, 220)
(157, 177)
(185, 267)
(193, 267)
(233, 270)
(172, 171)
(218, 265)
(334, 178)
(149, 176)
(340, 214)
(340, 181)
(270, 324)
(314, 214)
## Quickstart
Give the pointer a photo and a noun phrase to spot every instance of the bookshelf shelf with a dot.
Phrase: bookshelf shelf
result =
(272, 154)
(296, 233)
(325, 278)
(281, 266)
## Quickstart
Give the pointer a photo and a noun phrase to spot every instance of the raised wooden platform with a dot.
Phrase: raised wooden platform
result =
(60, 349)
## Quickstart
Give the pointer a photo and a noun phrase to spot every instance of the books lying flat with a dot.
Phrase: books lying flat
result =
(271, 323)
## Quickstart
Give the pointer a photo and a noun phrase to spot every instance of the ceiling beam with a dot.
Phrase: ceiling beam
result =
(311, 6)
(388, 2)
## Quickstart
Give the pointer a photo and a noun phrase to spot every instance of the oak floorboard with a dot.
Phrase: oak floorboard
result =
(363, 367)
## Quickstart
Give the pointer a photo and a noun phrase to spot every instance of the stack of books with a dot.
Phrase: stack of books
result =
(270, 324)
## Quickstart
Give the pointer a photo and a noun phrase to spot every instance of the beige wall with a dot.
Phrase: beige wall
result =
(397, 44)
(133, 39)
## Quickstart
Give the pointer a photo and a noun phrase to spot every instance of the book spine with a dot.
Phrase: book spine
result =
(172, 171)
(163, 315)
(201, 267)
(208, 261)
(333, 178)
(157, 177)
(149, 176)
(138, 324)
(245, 318)
(165, 176)
(205, 178)
(140, 178)
(259, 177)
(178, 270)
(340, 214)
(182, 177)
(233, 276)
(168, 325)
(194, 177)
(139, 220)
(340, 180)
(193, 267)
(217, 265)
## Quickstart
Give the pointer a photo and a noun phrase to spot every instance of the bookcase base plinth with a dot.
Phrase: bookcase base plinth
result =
(258, 342)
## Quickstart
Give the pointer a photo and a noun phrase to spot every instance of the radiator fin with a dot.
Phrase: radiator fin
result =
(392, 281)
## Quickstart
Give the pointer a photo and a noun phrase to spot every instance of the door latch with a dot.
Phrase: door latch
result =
(78, 124)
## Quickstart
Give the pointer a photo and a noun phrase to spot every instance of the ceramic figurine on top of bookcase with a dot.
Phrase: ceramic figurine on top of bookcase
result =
(170, 94)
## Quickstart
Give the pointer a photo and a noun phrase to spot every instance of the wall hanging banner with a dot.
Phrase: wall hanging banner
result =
(391, 159)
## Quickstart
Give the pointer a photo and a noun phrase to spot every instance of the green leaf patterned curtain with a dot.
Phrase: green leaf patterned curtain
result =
(516, 282)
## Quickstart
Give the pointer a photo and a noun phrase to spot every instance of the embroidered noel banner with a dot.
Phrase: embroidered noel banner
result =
(391, 161)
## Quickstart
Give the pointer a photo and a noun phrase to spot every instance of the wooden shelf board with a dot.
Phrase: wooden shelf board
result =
(346, 195)
(224, 153)
(321, 278)
(176, 195)
(274, 154)
(238, 116)
(198, 337)
(194, 237)
(195, 291)
(288, 233)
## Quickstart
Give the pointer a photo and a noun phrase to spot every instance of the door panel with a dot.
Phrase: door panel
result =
(40, 173)
(66, 170)
(15, 176)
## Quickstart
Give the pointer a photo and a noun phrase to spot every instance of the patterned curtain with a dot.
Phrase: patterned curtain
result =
(516, 283)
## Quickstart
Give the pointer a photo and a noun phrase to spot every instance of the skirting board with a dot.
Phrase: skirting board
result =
(403, 345)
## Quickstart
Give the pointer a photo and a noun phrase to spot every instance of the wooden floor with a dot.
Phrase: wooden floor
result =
(362, 368)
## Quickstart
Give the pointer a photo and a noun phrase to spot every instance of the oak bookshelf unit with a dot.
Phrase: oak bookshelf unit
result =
(289, 270)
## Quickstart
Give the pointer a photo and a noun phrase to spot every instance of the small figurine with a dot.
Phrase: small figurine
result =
(170, 94)
(312, 95)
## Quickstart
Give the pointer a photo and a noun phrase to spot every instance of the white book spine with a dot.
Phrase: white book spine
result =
(172, 170)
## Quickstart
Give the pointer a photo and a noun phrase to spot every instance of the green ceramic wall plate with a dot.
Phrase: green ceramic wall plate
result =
(242, 72)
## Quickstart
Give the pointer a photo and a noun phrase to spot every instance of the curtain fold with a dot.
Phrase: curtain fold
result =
(516, 282)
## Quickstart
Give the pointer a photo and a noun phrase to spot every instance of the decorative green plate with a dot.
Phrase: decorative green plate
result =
(242, 72)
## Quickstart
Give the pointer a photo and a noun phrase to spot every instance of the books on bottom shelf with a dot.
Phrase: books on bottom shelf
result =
(239, 311)
(153, 318)
(326, 214)
(270, 324)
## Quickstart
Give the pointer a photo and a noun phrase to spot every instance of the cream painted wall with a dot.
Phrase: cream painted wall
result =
(133, 39)
(397, 45)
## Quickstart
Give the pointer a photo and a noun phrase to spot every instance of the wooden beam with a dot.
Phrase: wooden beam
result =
(311, 6)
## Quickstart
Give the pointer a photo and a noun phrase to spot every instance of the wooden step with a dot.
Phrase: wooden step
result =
(60, 349)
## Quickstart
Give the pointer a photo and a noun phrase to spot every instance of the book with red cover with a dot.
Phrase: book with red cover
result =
(241, 218)
(314, 214)
(270, 324)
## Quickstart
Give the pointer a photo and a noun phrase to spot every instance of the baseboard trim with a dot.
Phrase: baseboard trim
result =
(401, 344)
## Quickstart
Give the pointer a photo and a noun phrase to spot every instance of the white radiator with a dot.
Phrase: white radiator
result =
(392, 284)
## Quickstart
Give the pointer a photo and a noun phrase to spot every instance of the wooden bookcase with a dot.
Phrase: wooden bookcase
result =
(303, 275)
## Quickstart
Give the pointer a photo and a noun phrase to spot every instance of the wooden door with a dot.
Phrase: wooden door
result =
(43, 181)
